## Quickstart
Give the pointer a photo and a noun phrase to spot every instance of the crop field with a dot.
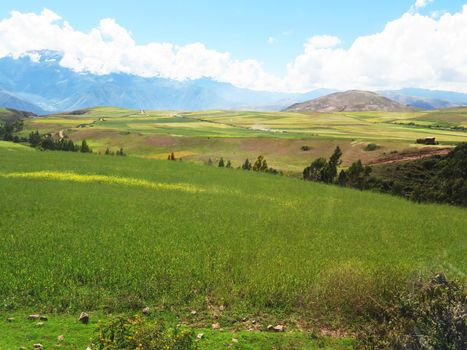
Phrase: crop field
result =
(115, 234)
(233, 135)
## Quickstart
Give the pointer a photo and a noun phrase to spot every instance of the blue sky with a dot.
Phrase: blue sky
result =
(241, 27)
(293, 45)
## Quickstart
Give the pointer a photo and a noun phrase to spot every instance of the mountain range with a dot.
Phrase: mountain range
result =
(44, 86)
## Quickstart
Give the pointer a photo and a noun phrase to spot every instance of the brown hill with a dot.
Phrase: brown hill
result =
(349, 101)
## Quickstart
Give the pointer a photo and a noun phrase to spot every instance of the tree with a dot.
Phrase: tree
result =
(35, 139)
(260, 165)
(84, 147)
(171, 156)
(330, 170)
(210, 163)
(221, 163)
(246, 165)
(229, 164)
(315, 170)
(121, 153)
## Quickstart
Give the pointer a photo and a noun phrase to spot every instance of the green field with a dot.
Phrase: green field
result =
(115, 234)
(279, 136)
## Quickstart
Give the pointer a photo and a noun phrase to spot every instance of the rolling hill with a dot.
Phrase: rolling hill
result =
(349, 101)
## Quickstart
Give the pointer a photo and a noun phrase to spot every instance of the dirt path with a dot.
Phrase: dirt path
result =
(405, 156)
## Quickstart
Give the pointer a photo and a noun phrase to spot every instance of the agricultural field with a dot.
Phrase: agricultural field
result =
(110, 235)
(279, 136)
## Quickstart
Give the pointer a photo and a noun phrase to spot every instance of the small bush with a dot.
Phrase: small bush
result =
(432, 316)
(305, 148)
(122, 333)
(371, 147)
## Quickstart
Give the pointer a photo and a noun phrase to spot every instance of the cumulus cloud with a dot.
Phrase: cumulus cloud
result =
(110, 48)
(413, 50)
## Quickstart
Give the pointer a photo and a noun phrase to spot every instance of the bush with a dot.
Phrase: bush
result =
(371, 147)
(432, 316)
(122, 333)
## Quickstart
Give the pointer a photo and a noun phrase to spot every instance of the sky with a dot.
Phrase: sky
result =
(293, 45)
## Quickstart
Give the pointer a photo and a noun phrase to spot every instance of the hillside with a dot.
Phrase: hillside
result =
(11, 115)
(9, 101)
(349, 101)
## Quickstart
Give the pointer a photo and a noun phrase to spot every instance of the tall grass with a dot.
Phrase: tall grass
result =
(92, 232)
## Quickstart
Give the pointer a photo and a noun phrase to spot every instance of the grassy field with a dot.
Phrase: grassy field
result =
(279, 136)
(115, 234)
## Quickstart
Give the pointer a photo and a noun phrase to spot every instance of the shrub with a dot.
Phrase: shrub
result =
(431, 316)
(305, 148)
(371, 147)
(122, 333)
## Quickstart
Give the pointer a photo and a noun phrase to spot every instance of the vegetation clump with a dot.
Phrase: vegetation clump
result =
(47, 142)
(371, 147)
(135, 334)
(431, 316)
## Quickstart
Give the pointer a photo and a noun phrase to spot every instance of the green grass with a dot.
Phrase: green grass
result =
(23, 332)
(87, 231)
(113, 234)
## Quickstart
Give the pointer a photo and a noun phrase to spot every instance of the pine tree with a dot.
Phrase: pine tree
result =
(84, 147)
(229, 164)
(246, 165)
(221, 163)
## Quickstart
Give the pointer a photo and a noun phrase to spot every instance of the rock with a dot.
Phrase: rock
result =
(38, 346)
(43, 318)
(88, 348)
(216, 325)
(146, 310)
(200, 336)
(234, 340)
(221, 308)
(39, 324)
(10, 319)
(253, 321)
(244, 319)
(60, 338)
(22, 348)
(278, 328)
(84, 318)
(193, 312)
(34, 317)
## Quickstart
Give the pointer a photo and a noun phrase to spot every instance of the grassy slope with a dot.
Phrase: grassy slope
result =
(238, 135)
(179, 236)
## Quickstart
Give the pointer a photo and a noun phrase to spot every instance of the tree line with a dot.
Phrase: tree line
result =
(440, 179)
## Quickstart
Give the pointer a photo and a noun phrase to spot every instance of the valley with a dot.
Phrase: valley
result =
(237, 135)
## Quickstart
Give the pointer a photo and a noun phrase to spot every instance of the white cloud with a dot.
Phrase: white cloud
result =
(413, 50)
(111, 48)
(422, 3)
(271, 40)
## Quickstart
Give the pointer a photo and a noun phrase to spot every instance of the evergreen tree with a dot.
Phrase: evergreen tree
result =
(229, 164)
(259, 164)
(246, 165)
(221, 163)
(330, 170)
(84, 147)
(315, 171)
(35, 139)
